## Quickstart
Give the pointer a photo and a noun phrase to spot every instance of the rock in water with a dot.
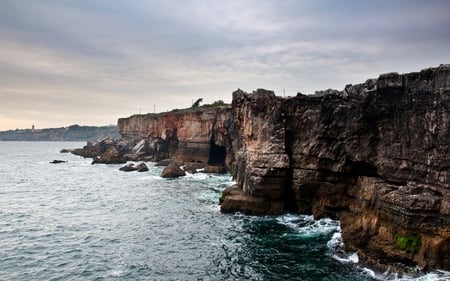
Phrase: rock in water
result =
(110, 156)
(128, 168)
(57, 161)
(141, 167)
(172, 171)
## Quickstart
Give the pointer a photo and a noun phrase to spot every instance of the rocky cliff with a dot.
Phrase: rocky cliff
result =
(187, 136)
(375, 156)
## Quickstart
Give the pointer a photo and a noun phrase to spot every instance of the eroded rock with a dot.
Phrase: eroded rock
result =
(173, 170)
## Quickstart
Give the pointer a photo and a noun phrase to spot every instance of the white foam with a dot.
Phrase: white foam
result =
(438, 275)
(308, 226)
(116, 273)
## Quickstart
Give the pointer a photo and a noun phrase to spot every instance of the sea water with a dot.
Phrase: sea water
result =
(77, 221)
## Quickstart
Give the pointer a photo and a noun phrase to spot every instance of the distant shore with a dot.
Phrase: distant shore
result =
(71, 133)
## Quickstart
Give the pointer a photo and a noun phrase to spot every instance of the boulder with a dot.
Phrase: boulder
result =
(141, 167)
(110, 156)
(172, 171)
(128, 168)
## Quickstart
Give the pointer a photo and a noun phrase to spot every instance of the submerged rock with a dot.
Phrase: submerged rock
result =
(58, 161)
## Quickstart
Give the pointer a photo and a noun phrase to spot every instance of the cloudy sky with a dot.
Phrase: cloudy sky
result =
(90, 62)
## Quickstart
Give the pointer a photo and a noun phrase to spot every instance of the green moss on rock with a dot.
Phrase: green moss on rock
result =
(409, 242)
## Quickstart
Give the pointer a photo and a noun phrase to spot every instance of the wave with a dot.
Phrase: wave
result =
(308, 226)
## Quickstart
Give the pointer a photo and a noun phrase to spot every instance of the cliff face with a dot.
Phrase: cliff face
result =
(375, 156)
(188, 136)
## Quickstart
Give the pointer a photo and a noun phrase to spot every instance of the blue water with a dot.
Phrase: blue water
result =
(77, 221)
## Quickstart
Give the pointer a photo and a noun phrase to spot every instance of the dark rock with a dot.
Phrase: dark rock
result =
(172, 171)
(375, 156)
(110, 156)
(128, 168)
(58, 161)
(65, 150)
(141, 167)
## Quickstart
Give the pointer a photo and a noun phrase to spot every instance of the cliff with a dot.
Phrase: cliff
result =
(189, 136)
(375, 156)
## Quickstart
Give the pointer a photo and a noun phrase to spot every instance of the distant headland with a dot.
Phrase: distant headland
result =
(71, 133)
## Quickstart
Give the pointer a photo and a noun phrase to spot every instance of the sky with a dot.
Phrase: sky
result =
(90, 62)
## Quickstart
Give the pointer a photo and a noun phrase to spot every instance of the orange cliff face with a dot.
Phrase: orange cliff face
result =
(186, 136)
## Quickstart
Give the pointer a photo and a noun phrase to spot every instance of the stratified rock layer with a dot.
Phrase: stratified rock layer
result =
(185, 136)
(375, 156)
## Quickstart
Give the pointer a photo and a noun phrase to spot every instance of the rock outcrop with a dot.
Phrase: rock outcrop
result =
(189, 136)
(194, 135)
(141, 167)
(172, 171)
(375, 156)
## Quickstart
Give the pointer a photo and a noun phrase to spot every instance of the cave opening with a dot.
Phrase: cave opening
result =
(217, 153)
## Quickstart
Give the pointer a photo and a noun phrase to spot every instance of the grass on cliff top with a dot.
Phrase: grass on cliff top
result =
(203, 107)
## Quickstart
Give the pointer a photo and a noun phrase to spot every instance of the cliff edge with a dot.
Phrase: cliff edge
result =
(375, 156)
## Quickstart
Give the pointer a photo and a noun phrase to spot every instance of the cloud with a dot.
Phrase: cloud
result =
(91, 62)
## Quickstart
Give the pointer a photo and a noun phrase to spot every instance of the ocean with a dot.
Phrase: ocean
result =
(77, 221)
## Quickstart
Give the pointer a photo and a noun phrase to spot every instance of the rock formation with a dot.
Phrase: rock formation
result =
(189, 136)
(375, 156)
(141, 167)
(185, 136)
(172, 171)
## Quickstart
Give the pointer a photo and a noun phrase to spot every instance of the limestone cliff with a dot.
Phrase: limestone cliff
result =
(375, 156)
(191, 135)
(186, 136)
